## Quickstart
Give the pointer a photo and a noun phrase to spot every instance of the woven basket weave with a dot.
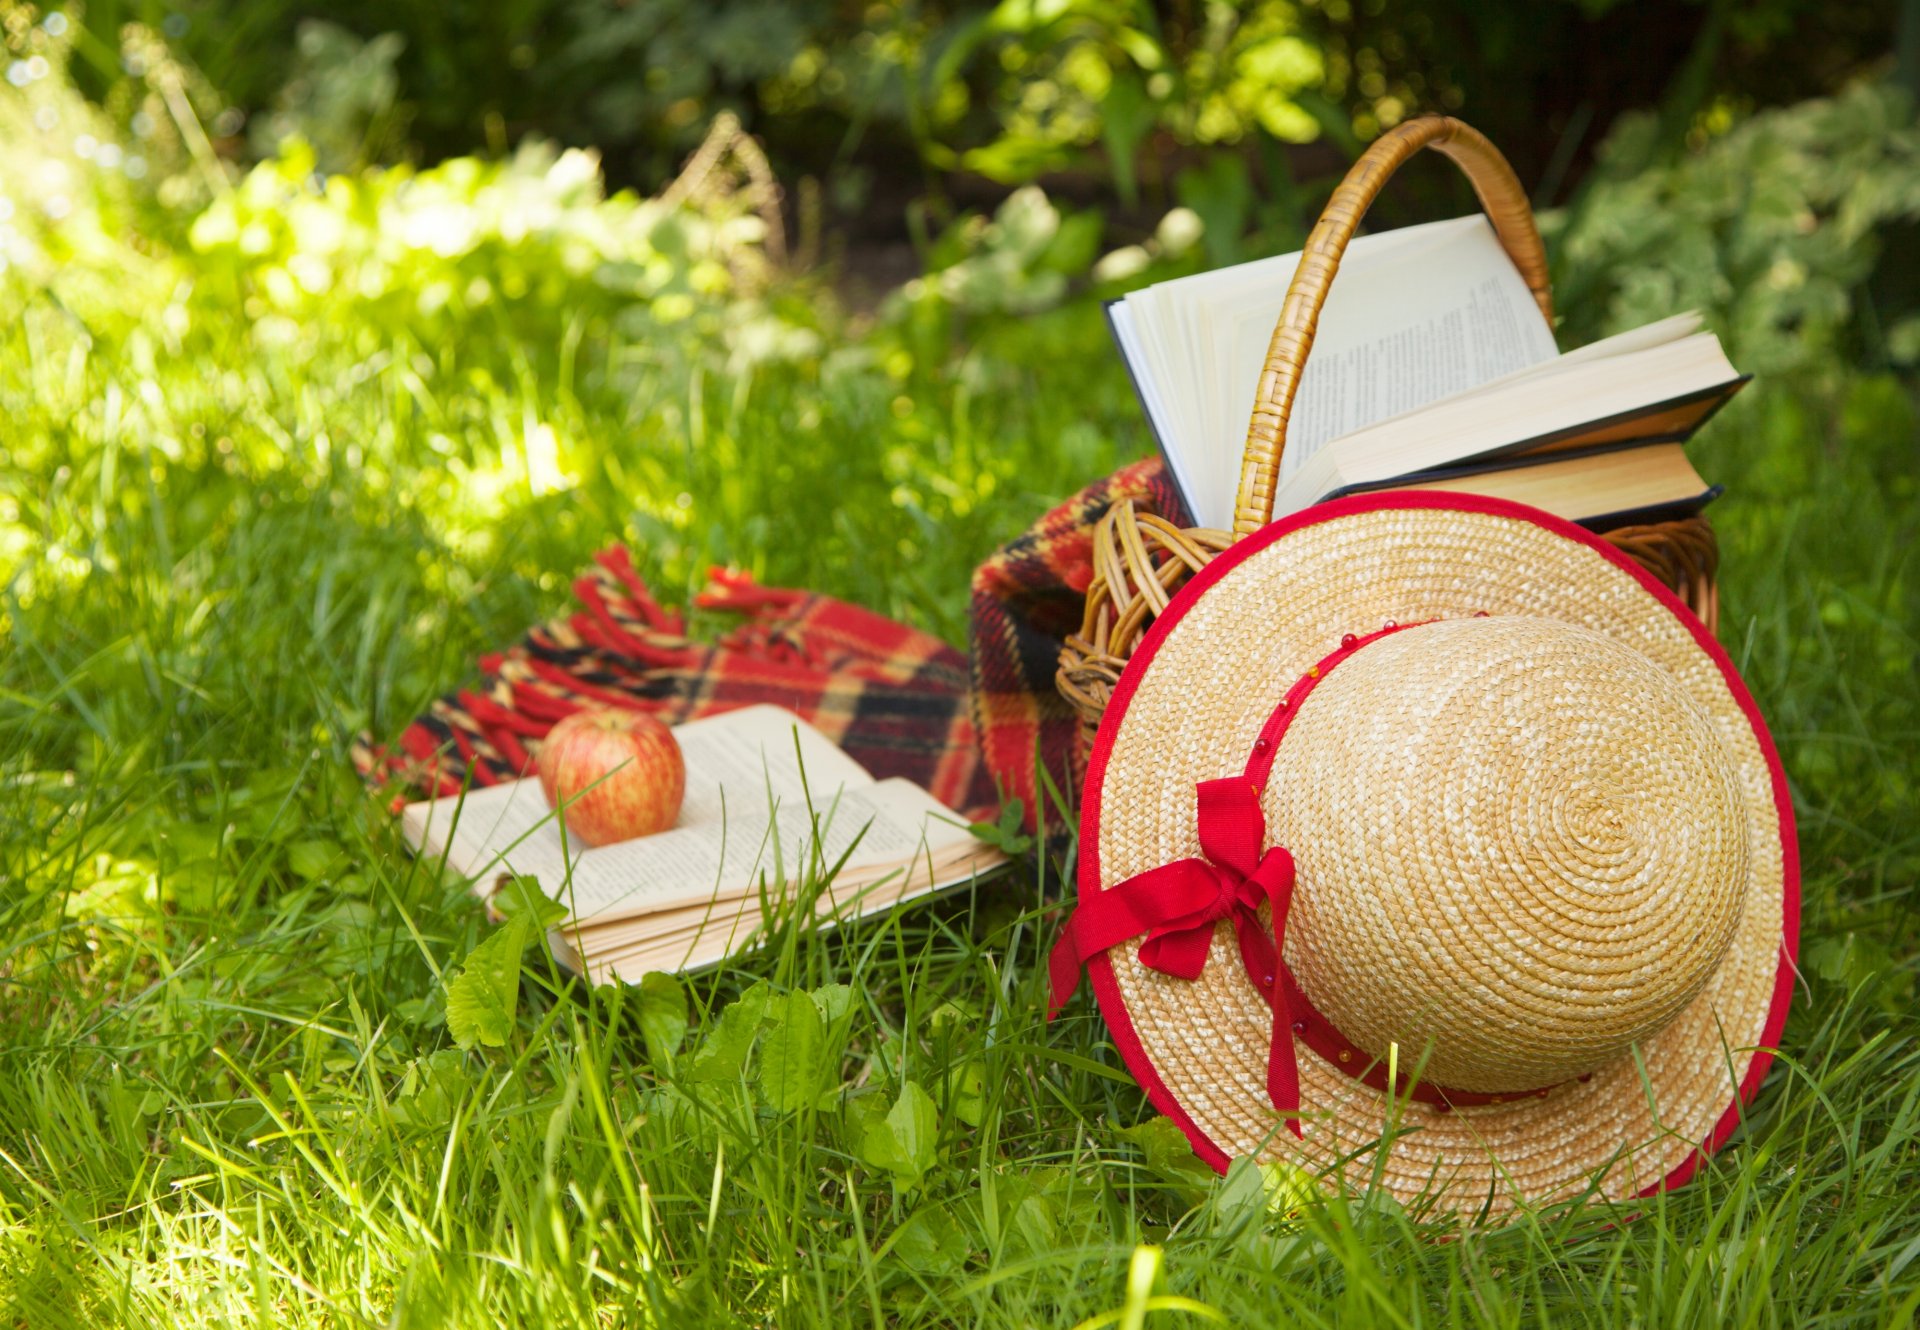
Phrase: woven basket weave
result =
(1141, 560)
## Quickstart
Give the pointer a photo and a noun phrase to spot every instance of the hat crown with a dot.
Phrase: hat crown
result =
(1521, 848)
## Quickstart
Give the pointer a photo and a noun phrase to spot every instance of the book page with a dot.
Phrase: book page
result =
(853, 884)
(752, 756)
(1381, 279)
(1591, 485)
(1125, 322)
(1673, 328)
(753, 750)
(1177, 367)
(726, 859)
(1442, 317)
(1414, 315)
(1662, 332)
(1659, 390)
(507, 828)
(688, 938)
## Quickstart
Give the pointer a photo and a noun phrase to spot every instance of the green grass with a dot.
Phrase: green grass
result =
(227, 1092)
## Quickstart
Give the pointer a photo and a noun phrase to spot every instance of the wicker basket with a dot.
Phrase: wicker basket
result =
(1140, 560)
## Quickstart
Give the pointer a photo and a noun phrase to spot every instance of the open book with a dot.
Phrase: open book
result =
(770, 803)
(1431, 363)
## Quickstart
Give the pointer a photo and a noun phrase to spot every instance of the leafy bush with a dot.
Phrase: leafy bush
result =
(1773, 229)
(890, 99)
(1020, 261)
(341, 96)
(1027, 88)
(530, 246)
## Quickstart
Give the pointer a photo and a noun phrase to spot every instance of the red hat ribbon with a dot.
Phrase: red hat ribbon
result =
(1177, 905)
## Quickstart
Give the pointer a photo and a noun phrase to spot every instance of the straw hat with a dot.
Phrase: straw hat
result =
(1433, 820)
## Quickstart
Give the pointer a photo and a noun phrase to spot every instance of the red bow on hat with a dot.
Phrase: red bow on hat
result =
(1177, 905)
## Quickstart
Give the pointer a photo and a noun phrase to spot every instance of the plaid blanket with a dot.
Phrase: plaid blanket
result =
(1026, 598)
(899, 701)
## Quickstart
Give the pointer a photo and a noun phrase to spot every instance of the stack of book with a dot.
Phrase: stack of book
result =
(1432, 368)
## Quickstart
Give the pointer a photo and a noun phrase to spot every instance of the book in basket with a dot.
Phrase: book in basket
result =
(1432, 367)
(776, 817)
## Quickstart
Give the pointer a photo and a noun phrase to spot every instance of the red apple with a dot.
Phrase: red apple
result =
(620, 774)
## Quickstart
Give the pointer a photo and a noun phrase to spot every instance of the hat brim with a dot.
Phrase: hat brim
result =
(1199, 1047)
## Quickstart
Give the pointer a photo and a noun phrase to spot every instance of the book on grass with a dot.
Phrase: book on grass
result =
(776, 817)
(1432, 367)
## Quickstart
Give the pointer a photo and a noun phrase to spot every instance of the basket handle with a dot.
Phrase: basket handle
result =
(1506, 206)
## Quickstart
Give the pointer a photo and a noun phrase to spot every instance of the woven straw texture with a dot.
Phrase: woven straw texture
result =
(1534, 840)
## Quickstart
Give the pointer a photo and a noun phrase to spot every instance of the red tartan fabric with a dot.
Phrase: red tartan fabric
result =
(1026, 598)
(900, 701)
(892, 696)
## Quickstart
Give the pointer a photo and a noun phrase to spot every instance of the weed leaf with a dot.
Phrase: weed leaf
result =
(792, 1052)
(903, 1142)
(723, 1052)
(835, 1002)
(1006, 835)
(482, 997)
(1169, 1154)
(932, 1242)
(311, 858)
(521, 898)
(967, 1092)
(663, 1016)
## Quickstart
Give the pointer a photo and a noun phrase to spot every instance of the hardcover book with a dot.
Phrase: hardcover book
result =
(1432, 367)
(775, 816)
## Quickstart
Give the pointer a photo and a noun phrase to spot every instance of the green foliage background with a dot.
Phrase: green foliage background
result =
(297, 424)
